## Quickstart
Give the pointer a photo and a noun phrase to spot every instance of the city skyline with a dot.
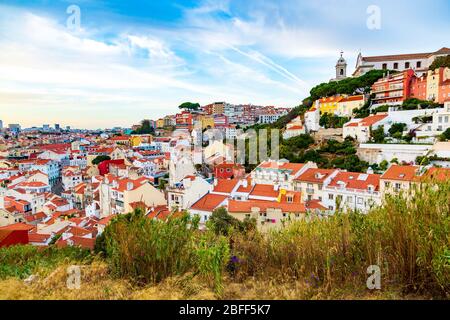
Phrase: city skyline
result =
(135, 61)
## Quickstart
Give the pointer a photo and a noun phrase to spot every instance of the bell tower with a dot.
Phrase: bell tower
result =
(341, 68)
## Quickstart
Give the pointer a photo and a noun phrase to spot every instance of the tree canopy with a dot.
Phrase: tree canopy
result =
(356, 85)
(145, 128)
(443, 61)
(100, 158)
(189, 106)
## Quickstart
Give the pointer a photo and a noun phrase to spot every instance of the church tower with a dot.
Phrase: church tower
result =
(341, 68)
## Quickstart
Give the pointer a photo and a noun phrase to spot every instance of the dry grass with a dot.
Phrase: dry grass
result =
(98, 284)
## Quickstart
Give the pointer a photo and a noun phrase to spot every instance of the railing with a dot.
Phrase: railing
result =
(374, 193)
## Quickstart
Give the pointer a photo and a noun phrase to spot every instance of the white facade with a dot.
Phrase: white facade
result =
(312, 118)
(350, 199)
(375, 153)
(185, 195)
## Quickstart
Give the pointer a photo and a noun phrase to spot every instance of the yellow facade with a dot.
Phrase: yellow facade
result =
(160, 123)
(135, 141)
(433, 85)
(329, 105)
(207, 121)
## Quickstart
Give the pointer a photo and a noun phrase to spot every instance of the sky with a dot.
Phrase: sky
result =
(131, 60)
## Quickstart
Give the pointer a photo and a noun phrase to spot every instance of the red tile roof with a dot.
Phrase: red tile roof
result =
(225, 185)
(264, 190)
(356, 180)
(403, 173)
(315, 175)
(209, 202)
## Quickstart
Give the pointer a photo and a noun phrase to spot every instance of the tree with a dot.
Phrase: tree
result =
(384, 165)
(377, 135)
(221, 222)
(145, 128)
(100, 158)
(189, 106)
(397, 128)
(443, 61)
(445, 135)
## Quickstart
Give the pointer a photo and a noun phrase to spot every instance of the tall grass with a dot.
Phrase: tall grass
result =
(23, 260)
(148, 251)
(408, 237)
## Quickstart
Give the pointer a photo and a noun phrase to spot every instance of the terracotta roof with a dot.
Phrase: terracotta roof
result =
(439, 174)
(371, 120)
(209, 202)
(18, 226)
(235, 206)
(356, 180)
(352, 98)
(409, 56)
(293, 167)
(225, 185)
(403, 173)
(264, 190)
(315, 175)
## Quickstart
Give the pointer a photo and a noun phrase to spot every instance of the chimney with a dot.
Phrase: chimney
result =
(244, 183)
(215, 182)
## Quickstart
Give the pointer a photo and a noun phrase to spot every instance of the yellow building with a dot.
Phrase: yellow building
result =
(433, 79)
(346, 105)
(160, 123)
(207, 121)
(135, 141)
(329, 104)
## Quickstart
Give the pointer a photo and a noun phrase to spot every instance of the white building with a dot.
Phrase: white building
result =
(187, 192)
(359, 129)
(440, 122)
(312, 118)
(294, 128)
(352, 191)
(375, 153)
(419, 62)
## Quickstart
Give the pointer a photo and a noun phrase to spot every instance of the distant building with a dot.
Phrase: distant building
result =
(419, 62)
(392, 89)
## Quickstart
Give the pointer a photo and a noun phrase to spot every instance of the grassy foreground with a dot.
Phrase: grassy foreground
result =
(138, 258)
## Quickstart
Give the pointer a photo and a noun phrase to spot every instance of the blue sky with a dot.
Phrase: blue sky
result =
(140, 59)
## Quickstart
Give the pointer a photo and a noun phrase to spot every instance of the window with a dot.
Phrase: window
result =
(384, 66)
(360, 200)
(330, 196)
(398, 186)
(349, 199)
(387, 184)
(395, 65)
(342, 72)
(419, 64)
(406, 65)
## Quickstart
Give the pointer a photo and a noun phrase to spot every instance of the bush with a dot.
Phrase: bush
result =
(99, 159)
